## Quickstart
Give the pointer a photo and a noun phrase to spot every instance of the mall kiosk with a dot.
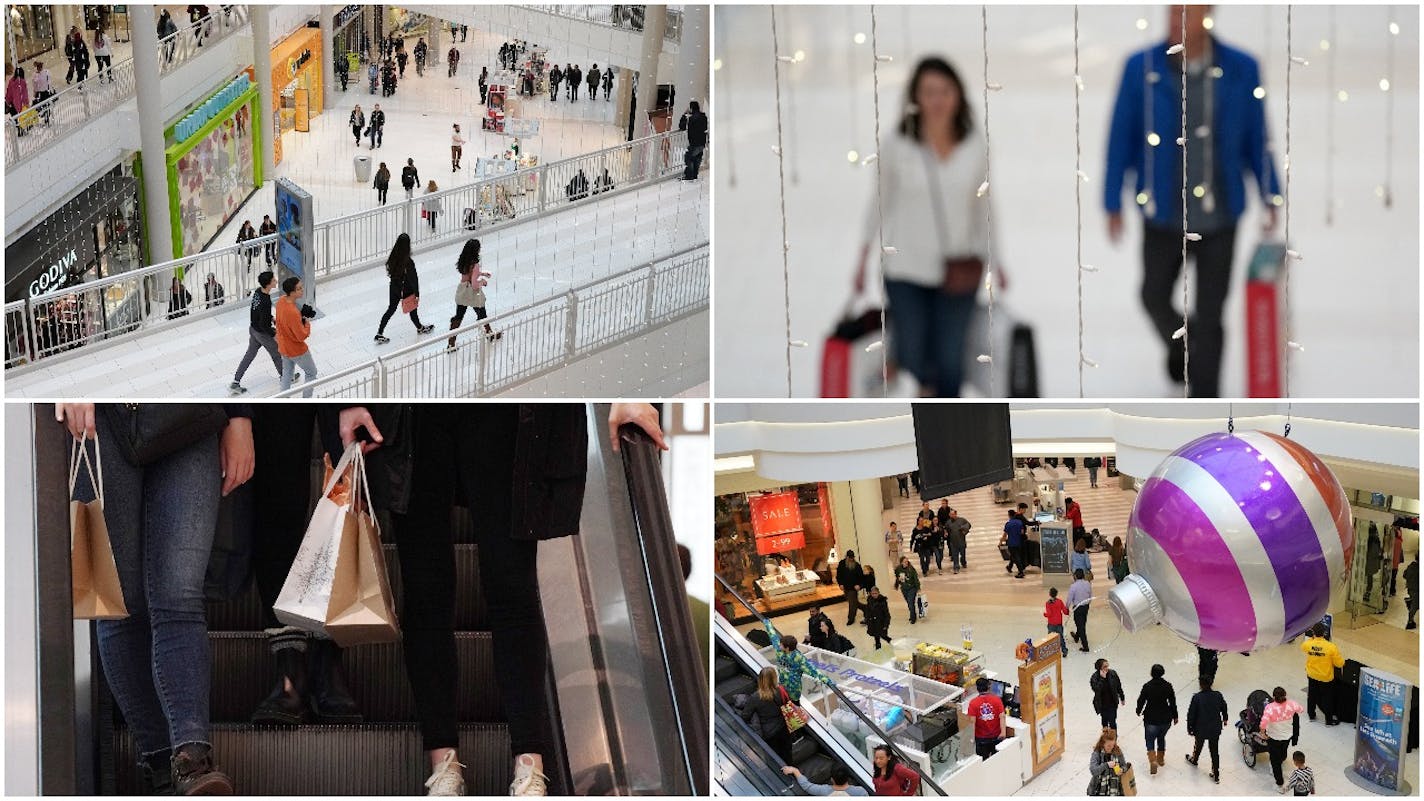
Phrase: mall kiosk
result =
(495, 97)
(1055, 539)
(1041, 699)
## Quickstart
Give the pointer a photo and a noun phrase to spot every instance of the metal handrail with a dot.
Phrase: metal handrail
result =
(607, 16)
(845, 699)
(105, 90)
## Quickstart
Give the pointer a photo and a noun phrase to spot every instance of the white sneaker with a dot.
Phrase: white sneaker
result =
(447, 778)
(527, 780)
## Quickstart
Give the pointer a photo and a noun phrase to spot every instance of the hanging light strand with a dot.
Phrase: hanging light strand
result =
(984, 192)
(879, 206)
(1186, 234)
(852, 153)
(1330, 103)
(1389, 89)
(725, 121)
(1289, 205)
(1078, 177)
(794, 150)
(781, 177)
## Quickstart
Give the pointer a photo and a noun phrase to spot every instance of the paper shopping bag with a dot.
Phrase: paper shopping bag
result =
(306, 593)
(362, 610)
(97, 592)
(1129, 782)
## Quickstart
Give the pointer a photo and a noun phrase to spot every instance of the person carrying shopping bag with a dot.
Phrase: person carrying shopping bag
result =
(404, 289)
(358, 123)
(470, 292)
(431, 207)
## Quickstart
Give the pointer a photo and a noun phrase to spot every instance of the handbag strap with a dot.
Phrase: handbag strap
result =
(79, 453)
(936, 199)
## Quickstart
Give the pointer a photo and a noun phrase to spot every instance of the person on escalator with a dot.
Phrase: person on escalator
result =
(792, 665)
(764, 707)
(523, 468)
(891, 777)
(840, 782)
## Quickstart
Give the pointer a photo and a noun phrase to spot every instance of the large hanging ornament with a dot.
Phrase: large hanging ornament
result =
(1235, 542)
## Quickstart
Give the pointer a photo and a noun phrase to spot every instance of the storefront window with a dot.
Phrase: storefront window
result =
(767, 541)
(29, 31)
(214, 178)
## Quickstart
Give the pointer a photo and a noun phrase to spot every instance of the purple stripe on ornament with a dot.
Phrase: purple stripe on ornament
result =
(1204, 562)
(1275, 512)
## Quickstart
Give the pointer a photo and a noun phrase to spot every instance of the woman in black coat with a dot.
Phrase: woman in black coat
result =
(523, 468)
(1206, 717)
(764, 707)
(877, 616)
(1107, 693)
(1157, 704)
(404, 283)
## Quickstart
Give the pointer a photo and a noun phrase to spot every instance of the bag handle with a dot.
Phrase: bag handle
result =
(80, 454)
(351, 452)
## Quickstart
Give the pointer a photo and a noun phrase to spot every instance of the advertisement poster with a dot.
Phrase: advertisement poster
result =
(1045, 712)
(776, 522)
(1379, 728)
(294, 235)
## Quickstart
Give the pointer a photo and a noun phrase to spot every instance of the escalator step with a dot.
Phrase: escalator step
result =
(727, 668)
(817, 769)
(803, 748)
(243, 675)
(739, 685)
(337, 760)
(245, 613)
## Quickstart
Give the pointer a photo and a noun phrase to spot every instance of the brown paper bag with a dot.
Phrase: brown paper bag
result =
(97, 592)
(1129, 782)
(361, 610)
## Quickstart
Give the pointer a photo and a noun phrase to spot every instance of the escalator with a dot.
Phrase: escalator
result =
(626, 684)
(743, 764)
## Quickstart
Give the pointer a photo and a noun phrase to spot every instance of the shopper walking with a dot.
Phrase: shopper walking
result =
(166, 29)
(933, 214)
(890, 776)
(161, 517)
(373, 75)
(457, 148)
(922, 543)
(1093, 463)
(1206, 717)
(1080, 593)
(17, 94)
(763, 710)
(1157, 706)
(484, 84)
(850, 576)
(103, 54)
(1281, 720)
(1107, 693)
(1106, 765)
(956, 531)
(936, 545)
(77, 52)
(269, 250)
(695, 123)
(607, 83)
(247, 233)
(1015, 537)
(382, 183)
(1206, 664)
(343, 71)
(261, 332)
(877, 616)
(1411, 586)
(358, 123)
(179, 299)
(469, 292)
(376, 127)
(907, 581)
(452, 61)
(1080, 559)
(556, 76)
(987, 710)
(592, 81)
(420, 51)
(1322, 661)
(401, 58)
(1226, 117)
(792, 665)
(213, 292)
(431, 207)
(1053, 611)
(894, 540)
(404, 283)
(293, 329)
(1302, 779)
(574, 78)
(410, 178)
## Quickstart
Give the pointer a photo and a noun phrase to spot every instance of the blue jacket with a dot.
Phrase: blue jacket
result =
(1239, 136)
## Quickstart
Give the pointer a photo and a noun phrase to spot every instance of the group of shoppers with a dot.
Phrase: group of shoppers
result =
(936, 529)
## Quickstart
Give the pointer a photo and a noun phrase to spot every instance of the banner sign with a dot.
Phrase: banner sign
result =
(777, 513)
(1041, 686)
(781, 543)
(1379, 728)
(295, 232)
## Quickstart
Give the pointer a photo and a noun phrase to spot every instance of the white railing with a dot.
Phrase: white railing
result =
(66, 112)
(133, 303)
(627, 17)
(537, 339)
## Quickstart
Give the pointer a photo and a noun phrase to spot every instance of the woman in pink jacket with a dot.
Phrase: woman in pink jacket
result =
(17, 93)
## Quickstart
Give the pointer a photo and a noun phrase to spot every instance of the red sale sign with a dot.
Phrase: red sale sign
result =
(778, 513)
(781, 543)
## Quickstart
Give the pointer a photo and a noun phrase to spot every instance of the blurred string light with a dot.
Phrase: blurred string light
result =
(1181, 333)
(879, 344)
(1144, 198)
(1292, 255)
(778, 149)
(1327, 46)
(725, 120)
(1386, 191)
(853, 154)
(988, 358)
(1079, 178)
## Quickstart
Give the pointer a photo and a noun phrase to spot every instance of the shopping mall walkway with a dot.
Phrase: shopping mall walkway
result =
(530, 261)
(419, 117)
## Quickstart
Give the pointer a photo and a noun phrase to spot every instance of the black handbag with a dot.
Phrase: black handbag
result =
(1023, 364)
(147, 432)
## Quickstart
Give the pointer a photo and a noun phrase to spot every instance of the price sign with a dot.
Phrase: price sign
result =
(781, 543)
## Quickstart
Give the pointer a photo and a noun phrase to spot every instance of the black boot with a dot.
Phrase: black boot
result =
(284, 707)
(195, 774)
(330, 698)
(157, 771)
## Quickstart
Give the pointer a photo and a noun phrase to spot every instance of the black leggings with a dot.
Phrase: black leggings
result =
(391, 310)
(459, 317)
(1277, 750)
(1212, 747)
(1162, 261)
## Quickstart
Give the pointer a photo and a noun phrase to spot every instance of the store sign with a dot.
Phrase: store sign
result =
(55, 275)
(344, 16)
(295, 64)
(210, 108)
(1380, 719)
(777, 513)
(781, 543)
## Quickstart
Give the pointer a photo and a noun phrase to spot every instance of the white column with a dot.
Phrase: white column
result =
(654, 24)
(869, 508)
(262, 68)
(692, 60)
(328, 52)
(148, 89)
(437, 56)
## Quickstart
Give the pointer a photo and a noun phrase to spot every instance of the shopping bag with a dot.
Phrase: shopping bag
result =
(792, 712)
(1129, 781)
(337, 585)
(96, 589)
(1013, 346)
(847, 369)
(410, 303)
(922, 606)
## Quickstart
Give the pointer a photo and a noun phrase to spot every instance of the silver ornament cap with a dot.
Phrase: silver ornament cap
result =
(1134, 603)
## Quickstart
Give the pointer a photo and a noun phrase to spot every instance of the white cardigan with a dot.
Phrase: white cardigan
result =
(909, 208)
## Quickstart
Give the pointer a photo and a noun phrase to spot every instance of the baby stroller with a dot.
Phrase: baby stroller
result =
(1248, 728)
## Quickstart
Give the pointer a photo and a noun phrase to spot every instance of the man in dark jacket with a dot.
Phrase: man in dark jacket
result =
(956, 532)
(269, 250)
(261, 332)
(850, 575)
(376, 127)
(1157, 706)
(410, 178)
(922, 543)
(1411, 585)
(877, 616)
(1206, 717)
(813, 622)
(1093, 463)
(556, 76)
(695, 123)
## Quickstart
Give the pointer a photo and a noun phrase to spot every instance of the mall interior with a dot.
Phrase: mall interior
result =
(799, 487)
(128, 185)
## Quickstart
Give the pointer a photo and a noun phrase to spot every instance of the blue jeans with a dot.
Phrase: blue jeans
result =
(1156, 735)
(693, 160)
(909, 600)
(930, 329)
(956, 555)
(161, 521)
(1058, 627)
(290, 365)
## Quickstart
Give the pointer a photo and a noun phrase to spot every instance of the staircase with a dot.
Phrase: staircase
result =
(382, 756)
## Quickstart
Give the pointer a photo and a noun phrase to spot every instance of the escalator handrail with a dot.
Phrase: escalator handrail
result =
(735, 721)
(845, 699)
(677, 644)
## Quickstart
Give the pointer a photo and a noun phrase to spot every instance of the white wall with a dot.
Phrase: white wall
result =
(285, 20)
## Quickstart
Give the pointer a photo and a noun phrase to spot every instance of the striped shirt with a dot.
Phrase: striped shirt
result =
(1302, 781)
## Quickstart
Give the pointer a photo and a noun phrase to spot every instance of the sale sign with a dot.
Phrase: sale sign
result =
(777, 513)
(781, 543)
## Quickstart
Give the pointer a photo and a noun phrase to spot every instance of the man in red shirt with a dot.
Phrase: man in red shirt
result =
(988, 713)
(1054, 610)
(1074, 513)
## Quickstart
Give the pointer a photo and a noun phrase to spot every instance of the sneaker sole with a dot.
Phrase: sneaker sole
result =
(211, 784)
